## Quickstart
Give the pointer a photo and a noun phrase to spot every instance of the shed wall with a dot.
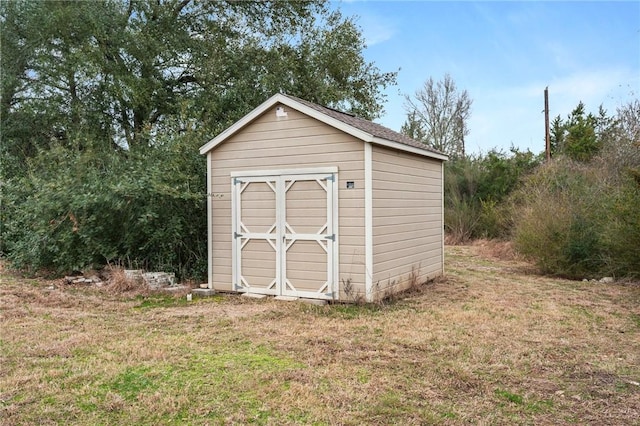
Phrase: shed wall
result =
(293, 142)
(407, 219)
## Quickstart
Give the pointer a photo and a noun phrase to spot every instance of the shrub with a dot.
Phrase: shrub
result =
(573, 221)
(76, 209)
(475, 191)
(460, 209)
(621, 241)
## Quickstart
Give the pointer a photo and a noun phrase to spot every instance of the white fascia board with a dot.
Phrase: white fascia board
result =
(282, 99)
(409, 148)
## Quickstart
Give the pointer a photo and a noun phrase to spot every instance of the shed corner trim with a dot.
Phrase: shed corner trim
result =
(368, 221)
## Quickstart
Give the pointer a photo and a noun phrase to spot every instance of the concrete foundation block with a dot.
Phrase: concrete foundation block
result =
(319, 302)
(254, 295)
(203, 292)
(286, 298)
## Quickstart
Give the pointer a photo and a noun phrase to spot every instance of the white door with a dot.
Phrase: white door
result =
(284, 235)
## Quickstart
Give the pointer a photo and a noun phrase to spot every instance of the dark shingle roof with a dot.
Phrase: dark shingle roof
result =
(375, 129)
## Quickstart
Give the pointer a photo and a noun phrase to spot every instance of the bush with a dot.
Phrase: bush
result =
(574, 221)
(581, 218)
(621, 242)
(78, 209)
(475, 191)
(460, 207)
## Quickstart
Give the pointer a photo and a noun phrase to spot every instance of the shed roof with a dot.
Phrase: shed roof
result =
(360, 128)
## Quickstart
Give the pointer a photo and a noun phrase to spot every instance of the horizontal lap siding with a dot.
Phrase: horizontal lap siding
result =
(407, 219)
(295, 142)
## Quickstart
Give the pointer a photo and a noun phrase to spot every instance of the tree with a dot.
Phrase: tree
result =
(104, 105)
(116, 72)
(581, 136)
(437, 115)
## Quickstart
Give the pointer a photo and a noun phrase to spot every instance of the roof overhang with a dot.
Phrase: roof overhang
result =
(304, 109)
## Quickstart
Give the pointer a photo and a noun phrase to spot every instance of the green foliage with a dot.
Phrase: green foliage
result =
(110, 73)
(509, 396)
(580, 219)
(621, 241)
(575, 222)
(476, 189)
(581, 136)
(76, 209)
(105, 103)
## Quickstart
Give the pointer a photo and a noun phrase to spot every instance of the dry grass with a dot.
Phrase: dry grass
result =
(496, 249)
(119, 283)
(491, 344)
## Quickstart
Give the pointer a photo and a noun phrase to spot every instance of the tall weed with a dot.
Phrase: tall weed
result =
(574, 221)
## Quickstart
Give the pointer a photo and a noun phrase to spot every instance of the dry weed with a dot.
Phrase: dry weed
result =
(497, 249)
(119, 283)
(487, 345)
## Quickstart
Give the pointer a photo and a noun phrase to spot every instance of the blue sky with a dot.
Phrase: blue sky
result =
(504, 54)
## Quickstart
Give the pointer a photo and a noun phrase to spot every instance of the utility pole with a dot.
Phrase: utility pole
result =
(547, 138)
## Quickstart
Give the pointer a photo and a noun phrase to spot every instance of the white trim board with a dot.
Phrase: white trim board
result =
(408, 148)
(368, 221)
(209, 224)
(442, 213)
(278, 172)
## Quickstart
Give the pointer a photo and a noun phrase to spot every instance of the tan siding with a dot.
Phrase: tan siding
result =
(387, 168)
(407, 219)
(397, 196)
(295, 142)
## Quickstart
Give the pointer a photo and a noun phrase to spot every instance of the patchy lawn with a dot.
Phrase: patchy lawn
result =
(491, 344)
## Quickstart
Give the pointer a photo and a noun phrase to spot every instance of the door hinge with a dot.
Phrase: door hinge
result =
(236, 235)
(331, 237)
(331, 178)
(236, 181)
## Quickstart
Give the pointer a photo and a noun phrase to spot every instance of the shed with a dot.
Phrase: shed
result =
(305, 201)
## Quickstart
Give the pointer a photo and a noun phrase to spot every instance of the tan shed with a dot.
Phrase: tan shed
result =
(309, 202)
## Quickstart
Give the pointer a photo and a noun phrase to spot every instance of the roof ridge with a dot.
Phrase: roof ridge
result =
(321, 106)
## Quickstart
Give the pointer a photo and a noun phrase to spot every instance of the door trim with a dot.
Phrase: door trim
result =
(277, 177)
(278, 172)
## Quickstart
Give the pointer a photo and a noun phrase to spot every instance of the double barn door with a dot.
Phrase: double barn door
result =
(284, 235)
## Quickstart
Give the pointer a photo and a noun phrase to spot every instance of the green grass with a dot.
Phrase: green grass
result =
(498, 346)
(511, 397)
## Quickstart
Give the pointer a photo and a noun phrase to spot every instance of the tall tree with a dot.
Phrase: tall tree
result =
(582, 135)
(117, 72)
(104, 104)
(438, 114)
